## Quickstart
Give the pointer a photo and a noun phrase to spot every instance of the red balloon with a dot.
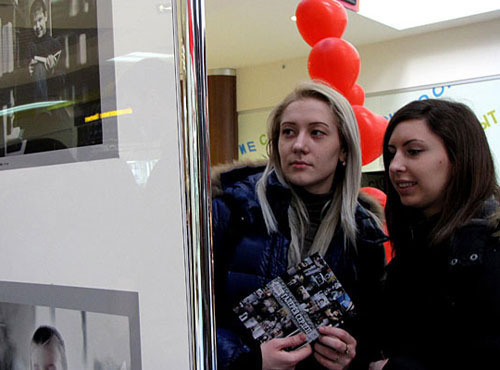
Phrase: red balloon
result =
(319, 19)
(336, 62)
(371, 130)
(356, 95)
(381, 119)
(378, 194)
(388, 249)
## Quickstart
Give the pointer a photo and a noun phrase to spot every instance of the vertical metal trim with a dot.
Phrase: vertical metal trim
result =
(189, 31)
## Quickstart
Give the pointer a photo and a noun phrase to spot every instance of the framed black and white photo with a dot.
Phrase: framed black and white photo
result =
(94, 329)
(57, 90)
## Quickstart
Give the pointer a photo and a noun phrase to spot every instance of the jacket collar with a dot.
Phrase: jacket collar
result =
(488, 216)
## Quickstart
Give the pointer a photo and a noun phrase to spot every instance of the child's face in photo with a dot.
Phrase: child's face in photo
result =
(39, 23)
(46, 357)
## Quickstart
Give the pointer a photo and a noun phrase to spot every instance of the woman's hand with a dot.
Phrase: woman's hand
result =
(275, 357)
(377, 365)
(335, 348)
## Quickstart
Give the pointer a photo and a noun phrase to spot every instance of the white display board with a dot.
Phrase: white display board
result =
(481, 95)
(105, 237)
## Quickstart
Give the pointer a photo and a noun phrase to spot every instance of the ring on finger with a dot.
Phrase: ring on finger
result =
(346, 351)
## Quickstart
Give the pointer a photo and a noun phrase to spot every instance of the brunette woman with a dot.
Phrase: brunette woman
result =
(442, 296)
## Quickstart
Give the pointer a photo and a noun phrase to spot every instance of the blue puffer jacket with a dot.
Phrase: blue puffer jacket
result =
(247, 257)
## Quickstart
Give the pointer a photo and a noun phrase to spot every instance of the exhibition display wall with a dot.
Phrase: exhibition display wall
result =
(102, 230)
(478, 93)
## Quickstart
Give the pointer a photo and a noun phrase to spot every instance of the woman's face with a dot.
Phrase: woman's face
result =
(309, 145)
(420, 168)
(46, 357)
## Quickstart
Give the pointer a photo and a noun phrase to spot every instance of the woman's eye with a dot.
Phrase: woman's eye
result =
(317, 133)
(414, 152)
(286, 132)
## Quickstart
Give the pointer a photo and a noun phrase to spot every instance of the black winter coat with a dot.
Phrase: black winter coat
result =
(247, 257)
(442, 304)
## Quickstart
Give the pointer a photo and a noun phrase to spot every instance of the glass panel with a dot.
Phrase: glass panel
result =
(98, 84)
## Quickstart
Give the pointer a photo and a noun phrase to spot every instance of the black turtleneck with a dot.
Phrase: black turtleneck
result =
(315, 204)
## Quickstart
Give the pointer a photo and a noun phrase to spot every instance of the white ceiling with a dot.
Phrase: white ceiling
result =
(250, 32)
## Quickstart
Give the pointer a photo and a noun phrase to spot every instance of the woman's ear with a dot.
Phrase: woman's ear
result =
(342, 155)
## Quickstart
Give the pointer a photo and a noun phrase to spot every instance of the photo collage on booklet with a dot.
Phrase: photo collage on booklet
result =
(307, 297)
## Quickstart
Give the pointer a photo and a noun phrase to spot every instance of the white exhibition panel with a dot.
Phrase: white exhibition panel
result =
(114, 224)
(481, 95)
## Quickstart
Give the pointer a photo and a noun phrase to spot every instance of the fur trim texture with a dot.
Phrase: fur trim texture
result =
(219, 169)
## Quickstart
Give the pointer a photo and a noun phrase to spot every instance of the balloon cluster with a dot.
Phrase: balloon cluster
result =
(337, 63)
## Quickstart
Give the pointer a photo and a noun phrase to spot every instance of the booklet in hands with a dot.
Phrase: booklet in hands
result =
(307, 297)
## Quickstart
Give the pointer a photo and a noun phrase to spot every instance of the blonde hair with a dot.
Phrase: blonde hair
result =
(342, 207)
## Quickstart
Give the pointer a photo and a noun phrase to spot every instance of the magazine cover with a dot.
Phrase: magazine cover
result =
(307, 297)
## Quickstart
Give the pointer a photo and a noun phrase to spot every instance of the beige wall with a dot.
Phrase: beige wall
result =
(459, 53)
(265, 85)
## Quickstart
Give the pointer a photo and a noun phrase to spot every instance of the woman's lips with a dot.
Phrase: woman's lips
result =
(300, 164)
(405, 187)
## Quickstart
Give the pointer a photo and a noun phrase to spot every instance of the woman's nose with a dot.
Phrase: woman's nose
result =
(397, 164)
(300, 143)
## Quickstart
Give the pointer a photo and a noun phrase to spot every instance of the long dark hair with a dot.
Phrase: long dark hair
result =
(472, 179)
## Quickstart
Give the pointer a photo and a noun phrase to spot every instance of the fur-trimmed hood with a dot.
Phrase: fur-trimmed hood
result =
(218, 170)
(372, 205)
(369, 202)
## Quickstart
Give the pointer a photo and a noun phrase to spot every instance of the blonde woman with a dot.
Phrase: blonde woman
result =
(304, 201)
